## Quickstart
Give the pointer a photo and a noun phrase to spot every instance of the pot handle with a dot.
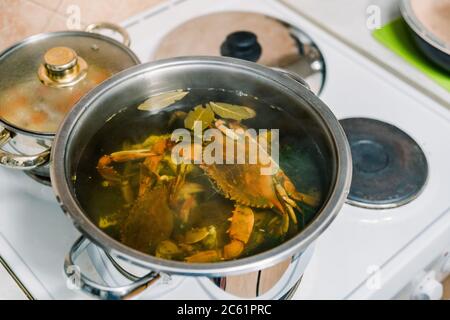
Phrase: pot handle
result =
(78, 280)
(293, 76)
(111, 26)
(16, 161)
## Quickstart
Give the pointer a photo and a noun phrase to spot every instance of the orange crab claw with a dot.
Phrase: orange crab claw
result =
(242, 223)
(241, 229)
(233, 250)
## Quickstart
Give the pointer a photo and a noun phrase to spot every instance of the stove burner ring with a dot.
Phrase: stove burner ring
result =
(369, 156)
(389, 167)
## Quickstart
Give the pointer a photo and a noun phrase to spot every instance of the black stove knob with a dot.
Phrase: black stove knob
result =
(242, 45)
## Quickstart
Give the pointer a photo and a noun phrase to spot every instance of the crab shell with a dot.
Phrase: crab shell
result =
(150, 220)
(244, 184)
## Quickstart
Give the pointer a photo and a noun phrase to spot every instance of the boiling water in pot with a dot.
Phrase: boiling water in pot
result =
(129, 186)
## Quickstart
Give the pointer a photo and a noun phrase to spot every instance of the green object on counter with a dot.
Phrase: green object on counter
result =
(397, 36)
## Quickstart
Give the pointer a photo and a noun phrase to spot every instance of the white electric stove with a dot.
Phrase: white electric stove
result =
(400, 252)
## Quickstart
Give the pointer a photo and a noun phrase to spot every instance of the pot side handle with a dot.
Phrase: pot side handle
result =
(77, 280)
(16, 161)
(293, 76)
(111, 26)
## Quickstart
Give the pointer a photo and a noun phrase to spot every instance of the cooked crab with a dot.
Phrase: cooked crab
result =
(164, 197)
(244, 183)
(249, 188)
(151, 217)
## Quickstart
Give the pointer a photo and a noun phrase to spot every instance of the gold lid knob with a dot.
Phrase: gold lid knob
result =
(60, 59)
(62, 67)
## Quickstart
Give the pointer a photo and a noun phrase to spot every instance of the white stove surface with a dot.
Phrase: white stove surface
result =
(364, 253)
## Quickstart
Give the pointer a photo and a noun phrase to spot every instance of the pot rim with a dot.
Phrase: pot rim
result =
(419, 29)
(298, 244)
(44, 35)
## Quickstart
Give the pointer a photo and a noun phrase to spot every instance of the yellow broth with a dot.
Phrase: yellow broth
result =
(151, 224)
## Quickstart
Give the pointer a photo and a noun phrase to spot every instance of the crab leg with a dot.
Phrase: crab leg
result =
(112, 177)
(181, 177)
(104, 166)
(150, 167)
(131, 155)
(310, 200)
(146, 180)
(185, 198)
(153, 160)
(289, 204)
(127, 192)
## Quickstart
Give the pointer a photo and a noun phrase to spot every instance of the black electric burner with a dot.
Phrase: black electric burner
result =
(389, 167)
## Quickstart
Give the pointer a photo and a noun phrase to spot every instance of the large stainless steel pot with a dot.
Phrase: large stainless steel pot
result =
(134, 85)
(41, 78)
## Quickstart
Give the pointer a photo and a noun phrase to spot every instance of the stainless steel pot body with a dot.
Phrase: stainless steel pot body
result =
(29, 151)
(136, 84)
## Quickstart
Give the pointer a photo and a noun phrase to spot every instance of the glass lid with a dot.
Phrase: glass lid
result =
(43, 77)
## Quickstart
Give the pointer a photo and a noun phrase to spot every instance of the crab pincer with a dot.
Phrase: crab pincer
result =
(241, 228)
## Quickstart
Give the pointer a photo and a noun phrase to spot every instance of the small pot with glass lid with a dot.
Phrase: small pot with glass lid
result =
(41, 79)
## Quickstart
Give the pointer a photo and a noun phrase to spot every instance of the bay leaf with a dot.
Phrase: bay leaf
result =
(231, 111)
(161, 101)
(200, 113)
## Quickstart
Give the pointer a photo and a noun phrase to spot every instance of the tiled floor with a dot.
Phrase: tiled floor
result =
(22, 18)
